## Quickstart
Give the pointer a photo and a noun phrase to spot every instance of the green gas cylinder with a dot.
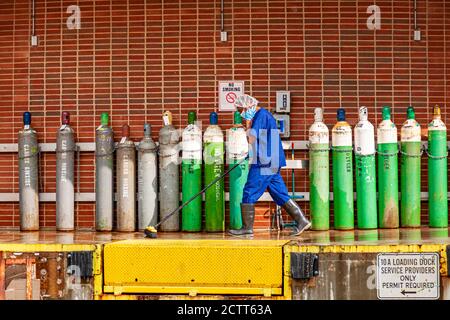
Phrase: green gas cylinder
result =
(213, 154)
(191, 166)
(437, 171)
(410, 171)
(388, 216)
(237, 149)
(365, 176)
(341, 139)
(319, 174)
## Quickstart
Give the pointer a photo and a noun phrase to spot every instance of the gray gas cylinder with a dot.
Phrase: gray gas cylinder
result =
(126, 182)
(104, 175)
(28, 176)
(169, 192)
(65, 150)
(147, 180)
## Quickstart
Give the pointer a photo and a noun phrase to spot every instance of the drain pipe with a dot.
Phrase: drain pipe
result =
(223, 33)
(417, 35)
(34, 38)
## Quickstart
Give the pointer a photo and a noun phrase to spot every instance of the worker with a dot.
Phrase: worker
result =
(266, 157)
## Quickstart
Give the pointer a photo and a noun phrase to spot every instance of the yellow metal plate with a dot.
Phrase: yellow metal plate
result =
(194, 266)
(46, 247)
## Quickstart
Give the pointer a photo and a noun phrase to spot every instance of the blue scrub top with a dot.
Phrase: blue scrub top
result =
(267, 149)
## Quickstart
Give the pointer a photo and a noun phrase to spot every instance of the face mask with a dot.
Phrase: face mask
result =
(249, 113)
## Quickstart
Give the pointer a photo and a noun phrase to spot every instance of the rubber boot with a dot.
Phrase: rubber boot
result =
(296, 213)
(248, 217)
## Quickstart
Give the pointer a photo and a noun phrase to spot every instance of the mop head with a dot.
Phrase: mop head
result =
(151, 232)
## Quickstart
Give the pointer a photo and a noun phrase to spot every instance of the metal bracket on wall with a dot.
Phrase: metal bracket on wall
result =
(304, 265)
(301, 145)
(46, 147)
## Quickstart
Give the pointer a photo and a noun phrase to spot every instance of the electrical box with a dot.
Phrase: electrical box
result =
(223, 36)
(283, 124)
(34, 41)
(417, 35)
(284, 101)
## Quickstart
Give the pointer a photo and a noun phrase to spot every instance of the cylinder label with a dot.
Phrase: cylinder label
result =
(341, 136)
(125, 164)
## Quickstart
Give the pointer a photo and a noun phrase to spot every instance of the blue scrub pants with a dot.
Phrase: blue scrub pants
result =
(259, 179)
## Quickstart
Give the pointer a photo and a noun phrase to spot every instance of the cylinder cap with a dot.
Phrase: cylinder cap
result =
(65, 117)
(318, 115)
(147, 129)
(26, 118)
(237, 118)
(104, 119)
(125, 130)
(341, 114)
(436, 112)
(167, 118)
(410, 113)
(213, 118)
(192, 116)
(386, 113)
(363, 114)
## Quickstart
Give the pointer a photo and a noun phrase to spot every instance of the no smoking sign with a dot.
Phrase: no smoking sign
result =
(229, 91)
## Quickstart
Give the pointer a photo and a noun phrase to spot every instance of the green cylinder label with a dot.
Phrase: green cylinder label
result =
(366, 192)
(214, 196)
(343, 188)
(191, 219)
(388, 209)
(238, 178)
(319, 180)
(437, 178)
(410, 184)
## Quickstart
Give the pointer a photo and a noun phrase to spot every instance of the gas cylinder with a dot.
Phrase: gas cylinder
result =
(126, 182)
(213, 154)
(237, 149)
(366, 190)
(28, 176)
(437, 171)
(388, 215)
(191, 165)
(169, 192)
(147, 180)
(319, 176)
(410, 171)
(65, 151)
(341, 139)
(104, 175)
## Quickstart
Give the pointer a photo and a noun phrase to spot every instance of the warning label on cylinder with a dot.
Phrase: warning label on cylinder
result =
(408, 275)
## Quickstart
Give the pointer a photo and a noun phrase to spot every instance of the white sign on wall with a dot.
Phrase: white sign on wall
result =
(408, 275)
(229, 91)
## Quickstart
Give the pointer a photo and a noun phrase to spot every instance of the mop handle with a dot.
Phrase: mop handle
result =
(203, 190)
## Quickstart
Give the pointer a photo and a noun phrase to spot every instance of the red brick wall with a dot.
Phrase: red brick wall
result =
(135, 59)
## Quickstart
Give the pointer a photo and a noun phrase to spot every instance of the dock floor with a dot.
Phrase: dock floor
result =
(422, 235)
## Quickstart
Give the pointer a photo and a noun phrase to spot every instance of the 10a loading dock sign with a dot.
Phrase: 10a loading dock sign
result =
(408, 275)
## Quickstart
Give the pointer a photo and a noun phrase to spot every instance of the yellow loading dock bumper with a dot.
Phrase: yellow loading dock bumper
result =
(220, 267)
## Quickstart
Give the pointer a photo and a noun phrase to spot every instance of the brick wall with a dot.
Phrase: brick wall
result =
(135, 59)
